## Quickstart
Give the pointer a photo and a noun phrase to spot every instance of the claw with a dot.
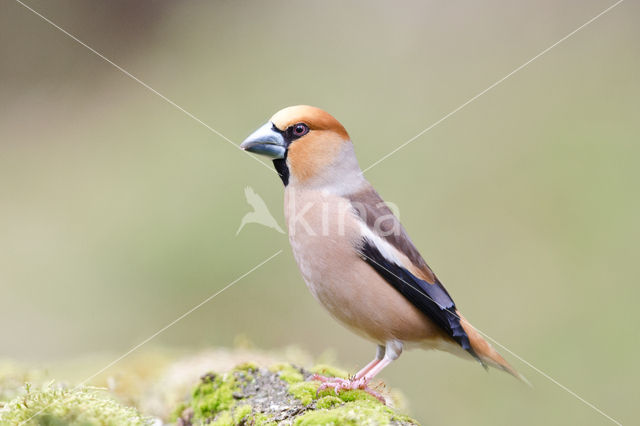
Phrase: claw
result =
(337, 384)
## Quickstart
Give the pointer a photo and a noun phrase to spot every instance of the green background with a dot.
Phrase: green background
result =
(118, 212)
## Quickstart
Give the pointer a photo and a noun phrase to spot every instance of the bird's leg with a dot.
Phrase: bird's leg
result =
(368, 367)
(335, 381)
(389, 353)
(393, 349)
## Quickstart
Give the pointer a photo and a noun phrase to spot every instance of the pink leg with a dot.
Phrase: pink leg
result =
(368, 367)
(363, 377)
(376, 370)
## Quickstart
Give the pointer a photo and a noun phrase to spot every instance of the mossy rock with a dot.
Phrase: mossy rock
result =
(57, 406)
(281, 394)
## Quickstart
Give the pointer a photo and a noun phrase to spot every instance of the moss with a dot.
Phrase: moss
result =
(305, 392)
(242, 413)
(262, 419)
(288, 373)
(249, 367)
(177, 412)
(13, 377)
(350, 395)
(239, 397)
(351, 413)
(215, 399)
(213, 395)
(223, 419)
(401, 418)
(328, 401)
(329, 371)
(77, 407)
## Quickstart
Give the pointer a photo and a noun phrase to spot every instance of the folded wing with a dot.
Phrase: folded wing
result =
(383, 236)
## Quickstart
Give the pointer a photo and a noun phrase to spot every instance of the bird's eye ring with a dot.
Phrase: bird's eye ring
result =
(300, 129)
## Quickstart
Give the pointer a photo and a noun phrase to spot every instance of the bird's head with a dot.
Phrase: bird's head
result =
(308, 146)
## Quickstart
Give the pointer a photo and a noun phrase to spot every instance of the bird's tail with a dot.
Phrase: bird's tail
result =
(487, 354)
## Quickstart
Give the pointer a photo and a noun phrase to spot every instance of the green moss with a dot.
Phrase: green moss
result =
(328, 401)
(351, 413)
(13, 377)
(404, 419)
(213, 399)
(350, 395)
(329, 371)
(177, 412)
(214, 395)
(76, 407)
(287, 372)
(305, 392)
(224, 400)
(223, 419)
(261, 419)
(249, 367)
(242, 412)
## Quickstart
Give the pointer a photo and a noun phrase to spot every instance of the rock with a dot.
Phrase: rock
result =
(147, 388)
(157, 394)
(281, 394)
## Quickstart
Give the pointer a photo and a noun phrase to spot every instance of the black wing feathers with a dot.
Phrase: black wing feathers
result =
(432, 299)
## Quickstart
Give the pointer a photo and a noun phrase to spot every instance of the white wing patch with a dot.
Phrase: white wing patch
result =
(386, 249)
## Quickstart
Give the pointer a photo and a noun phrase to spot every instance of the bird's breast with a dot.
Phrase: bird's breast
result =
(325, 234)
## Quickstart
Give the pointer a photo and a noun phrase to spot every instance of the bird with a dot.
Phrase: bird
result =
(260, 213)
(354, 254)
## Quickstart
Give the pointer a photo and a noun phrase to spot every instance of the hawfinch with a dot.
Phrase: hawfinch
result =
(354, 254)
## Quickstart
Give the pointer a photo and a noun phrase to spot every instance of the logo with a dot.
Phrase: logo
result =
(260, 214)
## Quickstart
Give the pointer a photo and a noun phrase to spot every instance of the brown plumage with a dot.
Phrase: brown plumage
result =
(353, 253)
(371, 207)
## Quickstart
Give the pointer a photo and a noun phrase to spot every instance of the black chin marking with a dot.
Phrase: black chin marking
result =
(282, 168)
(281, 163)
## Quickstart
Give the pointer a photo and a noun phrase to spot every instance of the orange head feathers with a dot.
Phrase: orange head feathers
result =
(315, 118)
(308, 145)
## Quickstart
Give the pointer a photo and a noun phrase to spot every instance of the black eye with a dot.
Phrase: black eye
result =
(300, 129)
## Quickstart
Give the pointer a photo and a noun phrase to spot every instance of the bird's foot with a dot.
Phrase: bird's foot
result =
(338, 384)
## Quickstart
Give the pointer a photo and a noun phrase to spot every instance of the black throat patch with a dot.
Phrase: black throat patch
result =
(281, 167)
(281, 163)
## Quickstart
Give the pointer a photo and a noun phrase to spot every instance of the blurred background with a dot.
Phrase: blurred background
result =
(118, 212)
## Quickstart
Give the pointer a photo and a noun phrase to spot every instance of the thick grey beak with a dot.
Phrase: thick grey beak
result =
(265, 141)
